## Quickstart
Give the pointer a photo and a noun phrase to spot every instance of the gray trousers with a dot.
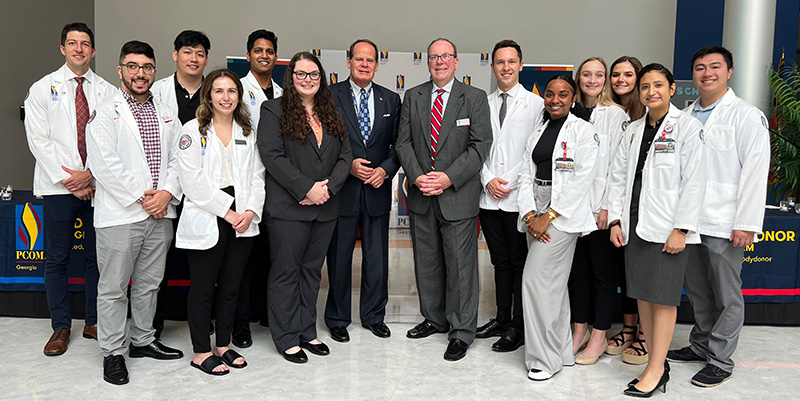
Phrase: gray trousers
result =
(545, 302)
(135, 253)
(446, 271)
(713, 284)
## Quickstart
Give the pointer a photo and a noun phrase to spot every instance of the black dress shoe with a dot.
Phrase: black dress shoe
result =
(317, 349)
(114, 370)
(242, 338)
(423, 330)
(155, 350)
(493, 328)
(379, 329)
(510, 341)
(297, 357)
(456, 350)
(340, 334)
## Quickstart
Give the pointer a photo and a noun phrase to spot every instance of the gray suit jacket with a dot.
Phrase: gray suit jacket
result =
(464, 142)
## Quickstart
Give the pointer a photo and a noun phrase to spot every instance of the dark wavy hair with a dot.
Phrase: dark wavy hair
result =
(294, 121)
(634, 105)
(577, 109)
(205, 111)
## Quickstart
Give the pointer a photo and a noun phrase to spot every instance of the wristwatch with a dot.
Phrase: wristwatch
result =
(552, 214)
(683, 231)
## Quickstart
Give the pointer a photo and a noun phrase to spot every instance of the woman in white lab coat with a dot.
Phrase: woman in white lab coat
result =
(555, 209)
(593, 279)
(630, 341)
(223, 180)
(656, 192)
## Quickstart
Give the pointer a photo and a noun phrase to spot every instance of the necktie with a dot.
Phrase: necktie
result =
(363, 115)
(436, 123)
(81, 117)
(503, 108)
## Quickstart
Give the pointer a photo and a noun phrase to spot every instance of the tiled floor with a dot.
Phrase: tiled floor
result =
(369, 368)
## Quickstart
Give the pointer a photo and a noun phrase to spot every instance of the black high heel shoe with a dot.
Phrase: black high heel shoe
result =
(662, 384)
(636, 380)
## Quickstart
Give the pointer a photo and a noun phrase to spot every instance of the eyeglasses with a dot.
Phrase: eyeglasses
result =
(301, 75)
(134, 68)
(444, 57)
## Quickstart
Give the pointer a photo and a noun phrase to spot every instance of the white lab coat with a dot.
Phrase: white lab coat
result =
(524, 111)
(609, 123)
(570, 190)
(253, 95)
(673, 184)
(164, 91)
(51, 128)
(199, 172)
(119, 164)
(737, 161)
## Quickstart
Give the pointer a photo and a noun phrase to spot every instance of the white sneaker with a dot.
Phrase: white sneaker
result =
(538, 375)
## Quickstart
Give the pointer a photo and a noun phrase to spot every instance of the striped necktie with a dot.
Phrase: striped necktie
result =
(436, 123)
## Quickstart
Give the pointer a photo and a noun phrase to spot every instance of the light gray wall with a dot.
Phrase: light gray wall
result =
(549, 32)
(31, 39)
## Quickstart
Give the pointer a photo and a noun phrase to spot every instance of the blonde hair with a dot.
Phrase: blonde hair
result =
(604, 98)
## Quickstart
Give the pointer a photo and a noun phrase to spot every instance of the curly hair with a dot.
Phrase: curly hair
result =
(205, 111)
(294, 121)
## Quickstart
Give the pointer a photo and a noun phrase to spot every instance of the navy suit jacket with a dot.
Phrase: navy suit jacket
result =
(379, 149)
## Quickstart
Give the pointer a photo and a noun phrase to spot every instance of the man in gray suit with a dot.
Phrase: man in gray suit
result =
(443, 140)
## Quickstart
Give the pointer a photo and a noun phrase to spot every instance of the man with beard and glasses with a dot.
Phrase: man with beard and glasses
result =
(133, 155)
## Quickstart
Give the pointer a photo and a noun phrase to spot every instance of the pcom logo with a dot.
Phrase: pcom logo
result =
(467, 79)
(484, 59)
(334, 78)
(316, 52)
(384, 57)
(417, 58)
(28, 227)
(401, 83)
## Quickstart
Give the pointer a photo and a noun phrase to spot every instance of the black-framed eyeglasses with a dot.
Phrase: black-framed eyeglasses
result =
(134, 68)
(444, 57)
(301, 75)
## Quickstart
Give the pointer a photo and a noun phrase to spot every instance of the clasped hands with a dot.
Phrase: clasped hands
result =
(78, 183)
(317, 195)
(371, 176)
(433, 183)
(537, 226)
(240, 222)
(155, 202)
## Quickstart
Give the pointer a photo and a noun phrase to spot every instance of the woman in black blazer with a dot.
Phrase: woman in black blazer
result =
(305, 150)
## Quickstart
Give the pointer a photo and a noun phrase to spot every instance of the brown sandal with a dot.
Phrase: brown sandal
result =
(641, 356)
(619, 340)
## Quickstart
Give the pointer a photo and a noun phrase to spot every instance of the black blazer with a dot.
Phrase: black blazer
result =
(379, 149)
(293, 168)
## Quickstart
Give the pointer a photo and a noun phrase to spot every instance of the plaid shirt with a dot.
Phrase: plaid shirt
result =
(146, 117)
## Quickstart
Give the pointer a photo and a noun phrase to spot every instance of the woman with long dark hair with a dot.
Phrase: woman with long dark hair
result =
(630, 341)
(223, 179)
(555, 209)
(657, 187)
(593, 279)
(303, 145)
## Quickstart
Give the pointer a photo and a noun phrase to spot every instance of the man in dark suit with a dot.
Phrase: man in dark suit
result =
(371, 114)
(444, 137)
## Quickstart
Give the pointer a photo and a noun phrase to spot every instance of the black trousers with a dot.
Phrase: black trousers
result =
(252, 303)
(221, 266)
(508, 250)
(374, 268)
(593, 280)
(297, 251)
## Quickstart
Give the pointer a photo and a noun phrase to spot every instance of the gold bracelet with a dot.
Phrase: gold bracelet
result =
(526, 218)
(551, 214)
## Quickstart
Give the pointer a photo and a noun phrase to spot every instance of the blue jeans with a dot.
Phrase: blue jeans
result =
(60, 212)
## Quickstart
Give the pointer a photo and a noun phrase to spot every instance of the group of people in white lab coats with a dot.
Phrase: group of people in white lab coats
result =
(602, 161)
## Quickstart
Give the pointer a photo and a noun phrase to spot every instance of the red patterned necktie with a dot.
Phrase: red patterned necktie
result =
(436, 123)
(81, 117)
